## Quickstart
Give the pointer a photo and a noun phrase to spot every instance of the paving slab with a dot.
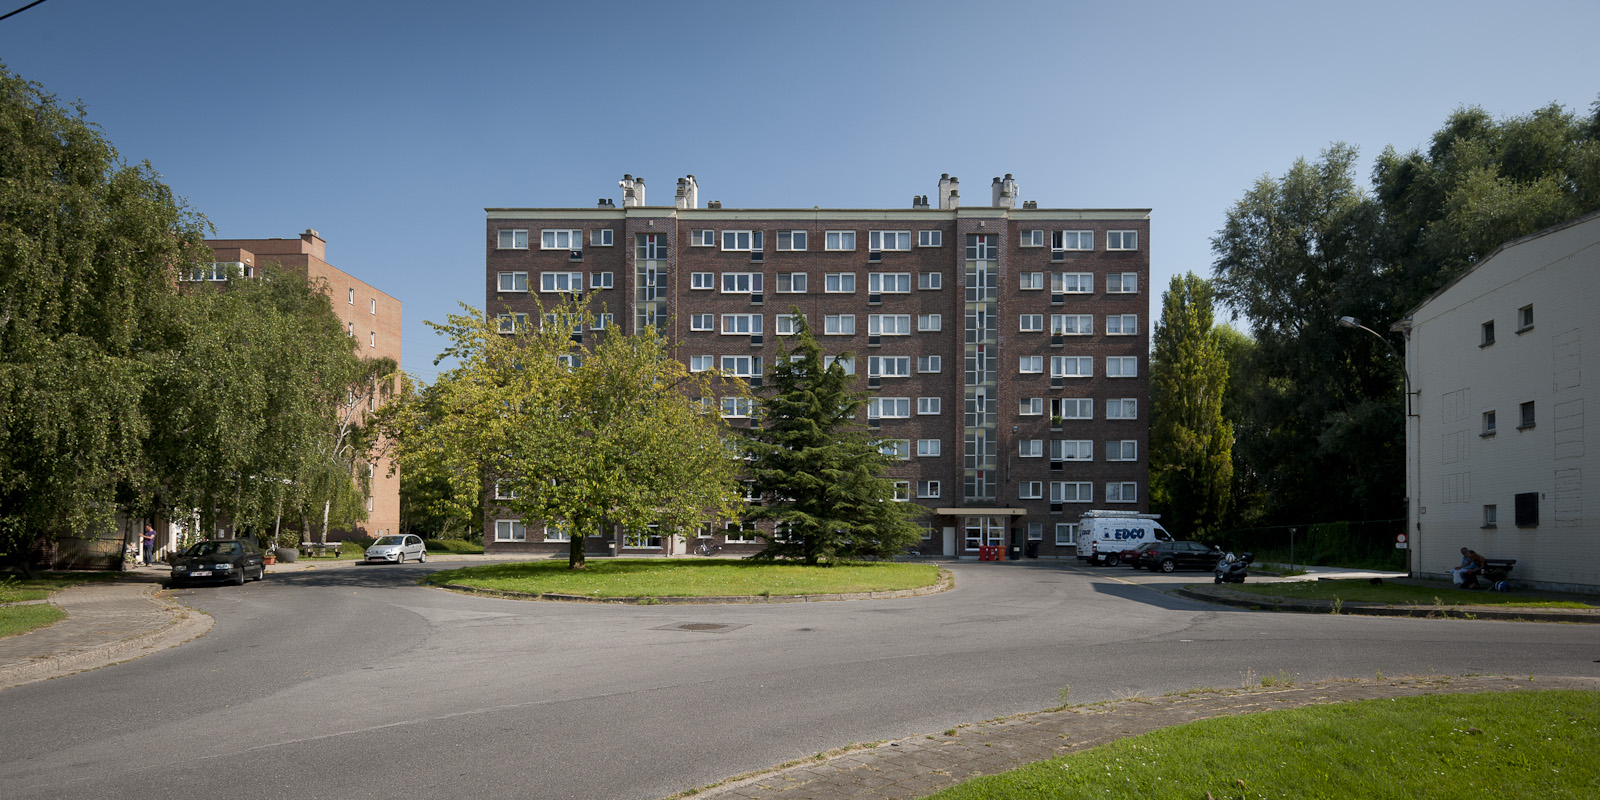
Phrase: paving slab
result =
(106, 623)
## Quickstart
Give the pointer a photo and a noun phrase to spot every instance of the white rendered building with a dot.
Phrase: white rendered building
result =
(1499, 455)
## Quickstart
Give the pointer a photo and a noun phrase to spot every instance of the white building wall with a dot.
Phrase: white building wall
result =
(1455, 467)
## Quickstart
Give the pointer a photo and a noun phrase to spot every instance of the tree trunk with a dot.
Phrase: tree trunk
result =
(575, 547)
(326, 505)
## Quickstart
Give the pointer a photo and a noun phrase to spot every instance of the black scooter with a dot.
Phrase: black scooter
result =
(1234, 570)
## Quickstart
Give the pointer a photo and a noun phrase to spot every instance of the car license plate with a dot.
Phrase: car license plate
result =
(200, 573)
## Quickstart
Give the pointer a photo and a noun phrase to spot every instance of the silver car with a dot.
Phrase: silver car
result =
(397, 549)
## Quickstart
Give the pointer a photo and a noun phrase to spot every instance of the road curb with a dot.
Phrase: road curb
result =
(1266, 603)
(945, 583)
(184, 624)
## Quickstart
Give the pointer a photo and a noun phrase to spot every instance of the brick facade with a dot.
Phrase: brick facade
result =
(930, 285)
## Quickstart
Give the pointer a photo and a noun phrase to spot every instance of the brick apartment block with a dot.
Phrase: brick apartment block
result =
(371, 319)
(972, 328)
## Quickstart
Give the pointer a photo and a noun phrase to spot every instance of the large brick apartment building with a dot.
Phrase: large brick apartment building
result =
(1004, 347)
(372, 320)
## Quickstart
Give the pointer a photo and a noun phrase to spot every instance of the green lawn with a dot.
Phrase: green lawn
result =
(1362, 591)
(1512, 744)
(689, 578)
(16, 588)
(21, 619)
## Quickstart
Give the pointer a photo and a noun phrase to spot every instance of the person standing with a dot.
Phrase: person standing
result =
(149, 539)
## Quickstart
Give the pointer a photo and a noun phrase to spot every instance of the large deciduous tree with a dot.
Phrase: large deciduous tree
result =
(579, 435)
(821, 476)
(1322, 432)
(1191, 443)
(89, 248)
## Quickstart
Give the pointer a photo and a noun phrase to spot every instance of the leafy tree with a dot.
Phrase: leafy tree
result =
(582, 435)
(436, 500)
(1323, 413)
(88, 251)
(819, 473)
(1191, 443)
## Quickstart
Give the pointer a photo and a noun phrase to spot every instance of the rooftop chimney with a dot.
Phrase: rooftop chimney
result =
(632, 190)
(1005, 192)
(688, 193)
(947, 191)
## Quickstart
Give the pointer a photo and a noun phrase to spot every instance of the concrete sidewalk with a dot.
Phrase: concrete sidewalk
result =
(921, 765)
(106, 623)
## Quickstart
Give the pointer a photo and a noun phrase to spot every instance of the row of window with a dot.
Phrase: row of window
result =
(511, 322)
(1079, 366)
(1062, 408)
(1524, 324)
(832, 283)
(1079, 324)
(1526, 417)
(1525, 506)
(555, 281)
(832, 241)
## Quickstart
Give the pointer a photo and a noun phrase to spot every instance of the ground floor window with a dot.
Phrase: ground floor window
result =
(1066, 533)
(649, 537)
(510, 530)
(740, 533)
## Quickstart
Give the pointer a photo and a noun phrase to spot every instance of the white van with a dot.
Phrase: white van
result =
(1104, 534)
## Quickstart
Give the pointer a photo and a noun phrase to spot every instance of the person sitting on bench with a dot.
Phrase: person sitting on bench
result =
(1472, 564)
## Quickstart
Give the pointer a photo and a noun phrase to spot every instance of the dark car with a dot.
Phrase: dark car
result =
(219, 561)
(1172, 556)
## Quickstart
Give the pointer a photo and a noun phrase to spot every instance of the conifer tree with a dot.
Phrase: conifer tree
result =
(1191, 444)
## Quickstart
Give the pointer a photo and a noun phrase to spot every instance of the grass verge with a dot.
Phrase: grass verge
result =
(1400, 594)
(21, 619)
(458, 546)
(1533, 744)
(690, 578)
(15, 588)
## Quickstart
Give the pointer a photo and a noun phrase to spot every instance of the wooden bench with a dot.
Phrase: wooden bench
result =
(319, 548)
(1496, 570)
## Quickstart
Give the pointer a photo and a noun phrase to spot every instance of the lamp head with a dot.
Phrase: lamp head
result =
(1348, 322)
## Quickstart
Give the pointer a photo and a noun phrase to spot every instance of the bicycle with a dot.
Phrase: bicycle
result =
(707, 549)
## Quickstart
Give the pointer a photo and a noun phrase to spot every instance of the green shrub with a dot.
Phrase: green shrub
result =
(453, 546)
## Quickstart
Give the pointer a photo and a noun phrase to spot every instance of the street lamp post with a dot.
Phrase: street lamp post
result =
(1405, 376)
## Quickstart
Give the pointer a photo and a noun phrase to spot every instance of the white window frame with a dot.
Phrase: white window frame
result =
(1122, 283)
(837, 325)
(902, 491)
(930, 365)
(846, 363)
(703, 237)
(891, 241)
(742, 241)
(1122, 324)
(1072, 324)
(1122, 240)
(702, 322)
(1030, 448)
(1066, 534)
(786, 324)
(888, 283)
(1122, 449)
(889, 366)
(739, 532)
(1072, 366)
(1072, 240)
(930, 281)
(1072, 282)
(552, 238)
(741, 366)
(928, 448)
(1122, 366)
(1030, 365)
(930, 322)
(888, 324)
(1082, 408)
(505, 323)
(928, 490)
(601, 237)
(601, 280)
(788, 239)
(1030, 490)
(731, 323)
(1072, 450)
(833, 283)
(898, 449)
(1033, 238)
(702, 281)
(1116, 407)
(510, 530)
(839, 241)
(502, 239)
(556, 533)
(511, 278)
(550, 282)
(742, 283)
(793, 279)
(1082, 491)
(1030, 406)
(704, 363)
(898, 407)
(930, 238)
(1030, 323)
(1031, 282)
(1122, 491)
(735, 407)
(601, 322)
(928, 406)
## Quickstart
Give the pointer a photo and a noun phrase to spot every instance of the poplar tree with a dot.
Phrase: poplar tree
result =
(1191, 443)
(819, 473)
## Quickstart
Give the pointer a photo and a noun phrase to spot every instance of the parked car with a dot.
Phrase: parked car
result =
(1172, 556)
(219, 561)
(398, 548)
(1130, 557)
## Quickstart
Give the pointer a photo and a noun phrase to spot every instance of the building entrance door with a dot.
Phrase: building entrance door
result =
(985, 531)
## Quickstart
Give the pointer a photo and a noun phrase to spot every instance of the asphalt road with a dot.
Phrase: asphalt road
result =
(353, 682)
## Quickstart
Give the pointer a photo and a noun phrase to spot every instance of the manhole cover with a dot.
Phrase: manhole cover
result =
(702, 627)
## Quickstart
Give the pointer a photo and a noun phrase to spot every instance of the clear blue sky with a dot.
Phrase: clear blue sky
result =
(389, 127)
